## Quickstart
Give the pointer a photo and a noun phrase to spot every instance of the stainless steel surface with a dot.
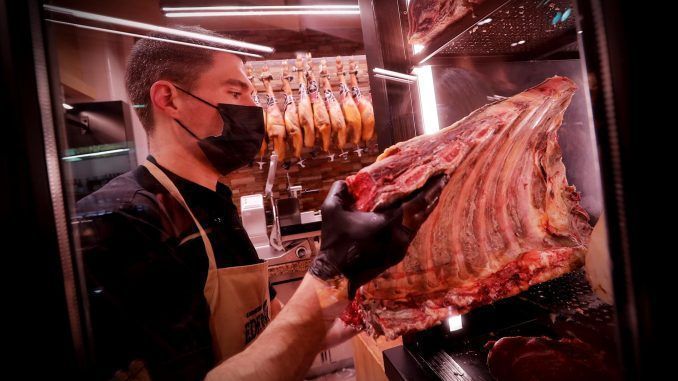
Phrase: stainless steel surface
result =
(531, 21)
(312, 234)
(302, 252)
(253, 217)
(291, 252)
(288, 211)
(270, 179)
(274, 238)
(311, 216)
(295, 190)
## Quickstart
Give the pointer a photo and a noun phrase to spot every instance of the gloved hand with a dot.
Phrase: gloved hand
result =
(361, 245)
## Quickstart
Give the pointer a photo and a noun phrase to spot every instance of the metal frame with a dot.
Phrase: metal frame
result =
(384, 48)
(597, 32)
(61, 197)
(48, 324)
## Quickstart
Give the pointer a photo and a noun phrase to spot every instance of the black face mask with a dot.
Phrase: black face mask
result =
(240, 140)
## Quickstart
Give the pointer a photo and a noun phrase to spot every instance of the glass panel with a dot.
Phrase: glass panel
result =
(140, 81)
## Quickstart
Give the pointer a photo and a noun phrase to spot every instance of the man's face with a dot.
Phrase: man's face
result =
(224, 82)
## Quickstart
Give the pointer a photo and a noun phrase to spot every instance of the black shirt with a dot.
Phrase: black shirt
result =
(146, 267)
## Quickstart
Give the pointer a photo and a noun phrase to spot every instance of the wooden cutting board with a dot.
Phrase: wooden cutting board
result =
(368, 358)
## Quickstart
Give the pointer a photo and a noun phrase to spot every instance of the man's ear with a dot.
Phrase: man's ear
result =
(164, 97)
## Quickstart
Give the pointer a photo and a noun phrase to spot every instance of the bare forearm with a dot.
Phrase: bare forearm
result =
(286, 348)
(337, 334)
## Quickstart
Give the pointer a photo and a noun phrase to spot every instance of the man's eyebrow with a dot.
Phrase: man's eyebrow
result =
(236, 82)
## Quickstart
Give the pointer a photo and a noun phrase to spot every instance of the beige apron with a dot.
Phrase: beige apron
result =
(238, 296)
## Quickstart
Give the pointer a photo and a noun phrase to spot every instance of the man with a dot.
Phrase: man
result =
(175, 286)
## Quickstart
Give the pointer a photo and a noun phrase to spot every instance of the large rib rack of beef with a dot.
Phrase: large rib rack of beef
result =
(506, 220)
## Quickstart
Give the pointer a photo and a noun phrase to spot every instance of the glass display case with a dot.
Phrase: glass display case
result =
(435, 62)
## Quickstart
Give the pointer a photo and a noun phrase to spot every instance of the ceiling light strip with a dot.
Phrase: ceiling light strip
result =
(160, 29)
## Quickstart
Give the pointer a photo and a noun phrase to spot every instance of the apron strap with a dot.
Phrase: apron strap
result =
(231, 293)
(172, 189)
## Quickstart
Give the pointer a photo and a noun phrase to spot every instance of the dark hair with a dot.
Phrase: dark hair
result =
(154, 60)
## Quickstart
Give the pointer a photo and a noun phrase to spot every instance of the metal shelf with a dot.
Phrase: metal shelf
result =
(562, 307)
(518, 30)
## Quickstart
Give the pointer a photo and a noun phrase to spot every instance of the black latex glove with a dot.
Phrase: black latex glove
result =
(361, 245)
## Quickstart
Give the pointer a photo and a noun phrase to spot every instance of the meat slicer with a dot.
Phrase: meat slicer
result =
(293, 234)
